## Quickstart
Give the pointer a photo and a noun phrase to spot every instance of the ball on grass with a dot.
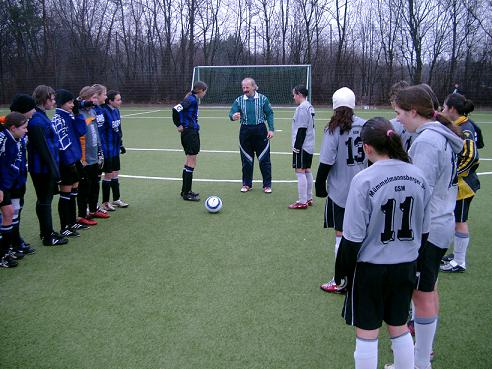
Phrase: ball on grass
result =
(213, 204)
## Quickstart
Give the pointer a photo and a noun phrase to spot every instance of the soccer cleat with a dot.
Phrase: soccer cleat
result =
(15, 254)
(26, 249)
(267, 189)
(87, 222)
(310, 202)
(99, 213)
(7, 262)
(298, 205)
(54, 239)
(119, 204)
(452, 267)
(79, 227)
(191, 196)
(245, 188)
(107, 206)
(67, 232)
(447, 258)
(331, 287)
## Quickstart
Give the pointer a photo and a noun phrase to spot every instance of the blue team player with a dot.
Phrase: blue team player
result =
(185, 118)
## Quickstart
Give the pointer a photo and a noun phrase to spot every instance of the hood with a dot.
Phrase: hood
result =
(455, 141)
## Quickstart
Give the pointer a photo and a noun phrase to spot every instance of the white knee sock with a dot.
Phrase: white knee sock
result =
(302, 187)
(309, 182)
(425, 330)
(403, 351)
(338, 239)
(366, 354)
(461, 241)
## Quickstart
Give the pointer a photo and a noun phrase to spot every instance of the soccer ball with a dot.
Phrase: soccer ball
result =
(213, 204)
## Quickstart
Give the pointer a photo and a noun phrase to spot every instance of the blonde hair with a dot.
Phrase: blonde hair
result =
(87, 92)
(99, 89)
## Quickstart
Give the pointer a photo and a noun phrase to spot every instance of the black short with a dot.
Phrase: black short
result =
(69, 174)
(190, 139)
(302, 160)
(7, 198)
(428, 264)
(333, 215)
(18, 193)
(461, 210)
(379, 293)
(111, 164)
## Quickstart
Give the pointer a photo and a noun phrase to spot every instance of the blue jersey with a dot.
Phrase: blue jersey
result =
(69, 130)
(186, 113)
(21, 163)
(42, 146)
(111, 130)
(9, 160)
(100, 120)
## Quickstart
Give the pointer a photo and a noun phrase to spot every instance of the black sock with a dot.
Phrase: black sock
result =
(43, 211)
(16, 239)
(106, 189)
(64, 209)
(187, 179)
(6, 231)
(115, 187)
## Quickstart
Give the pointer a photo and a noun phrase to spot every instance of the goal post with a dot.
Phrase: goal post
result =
(274, 81)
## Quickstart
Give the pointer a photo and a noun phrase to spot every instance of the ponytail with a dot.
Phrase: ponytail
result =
(378, 132)
(197, 87)
(446, 122)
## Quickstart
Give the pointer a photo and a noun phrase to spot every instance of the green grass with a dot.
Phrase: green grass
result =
(164, 284)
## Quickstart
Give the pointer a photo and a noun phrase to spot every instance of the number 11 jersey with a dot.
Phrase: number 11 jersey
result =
(388, 211)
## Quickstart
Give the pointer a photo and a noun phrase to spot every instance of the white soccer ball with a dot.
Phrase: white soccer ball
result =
(213, 204)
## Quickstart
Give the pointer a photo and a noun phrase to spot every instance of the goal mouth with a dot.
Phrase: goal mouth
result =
(274, 81)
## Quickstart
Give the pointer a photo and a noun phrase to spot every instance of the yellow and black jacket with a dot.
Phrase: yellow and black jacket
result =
(468, 183)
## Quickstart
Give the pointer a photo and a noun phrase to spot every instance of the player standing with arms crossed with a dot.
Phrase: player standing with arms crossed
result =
(386, 217)
(435, 152)
(302, 147)
(254, 111)
(185, 118)
(341, 158)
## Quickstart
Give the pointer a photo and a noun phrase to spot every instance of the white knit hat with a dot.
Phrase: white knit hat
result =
(344, 97)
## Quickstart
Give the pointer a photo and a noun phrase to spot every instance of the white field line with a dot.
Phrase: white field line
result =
(208, 151)
(142, 112)
(203, 179)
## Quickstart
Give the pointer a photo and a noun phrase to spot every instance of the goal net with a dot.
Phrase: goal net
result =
(274, 81)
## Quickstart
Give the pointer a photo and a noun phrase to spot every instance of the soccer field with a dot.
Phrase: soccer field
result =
(164, 284)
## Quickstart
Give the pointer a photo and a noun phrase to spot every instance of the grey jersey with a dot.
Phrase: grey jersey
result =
(388, 211)
(345, 154)
(435, 151)
(406, 137)
(304, 118)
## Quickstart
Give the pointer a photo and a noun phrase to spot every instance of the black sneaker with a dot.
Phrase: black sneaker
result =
(79, 227)
(67, 232)
(6, 262)
(16, 254)
(52, 240)
(26, 249)
(191, 196)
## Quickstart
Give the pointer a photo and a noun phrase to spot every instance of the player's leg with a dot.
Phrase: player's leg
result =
(246, 148)
(106, 184)
(115, 185)
(190, 140)
(64, 201)
(309, 183)
(426, 303)
(7, 257)
(262, 149)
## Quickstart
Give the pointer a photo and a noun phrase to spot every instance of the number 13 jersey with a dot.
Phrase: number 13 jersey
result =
(388, 211)
(344, 152)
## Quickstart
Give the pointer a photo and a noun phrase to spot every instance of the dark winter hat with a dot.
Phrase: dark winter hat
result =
(22, 103)
(62, 96)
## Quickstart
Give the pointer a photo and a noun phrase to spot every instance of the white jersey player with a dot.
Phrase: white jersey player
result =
(341, 158)
(386, 216)
(303, 147)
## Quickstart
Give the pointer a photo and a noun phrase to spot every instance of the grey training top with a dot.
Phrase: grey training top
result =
(435, 151)
(388, 211)
(346, 155)
(304, 118)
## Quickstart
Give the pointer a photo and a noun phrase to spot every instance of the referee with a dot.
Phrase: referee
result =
(254, 112)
